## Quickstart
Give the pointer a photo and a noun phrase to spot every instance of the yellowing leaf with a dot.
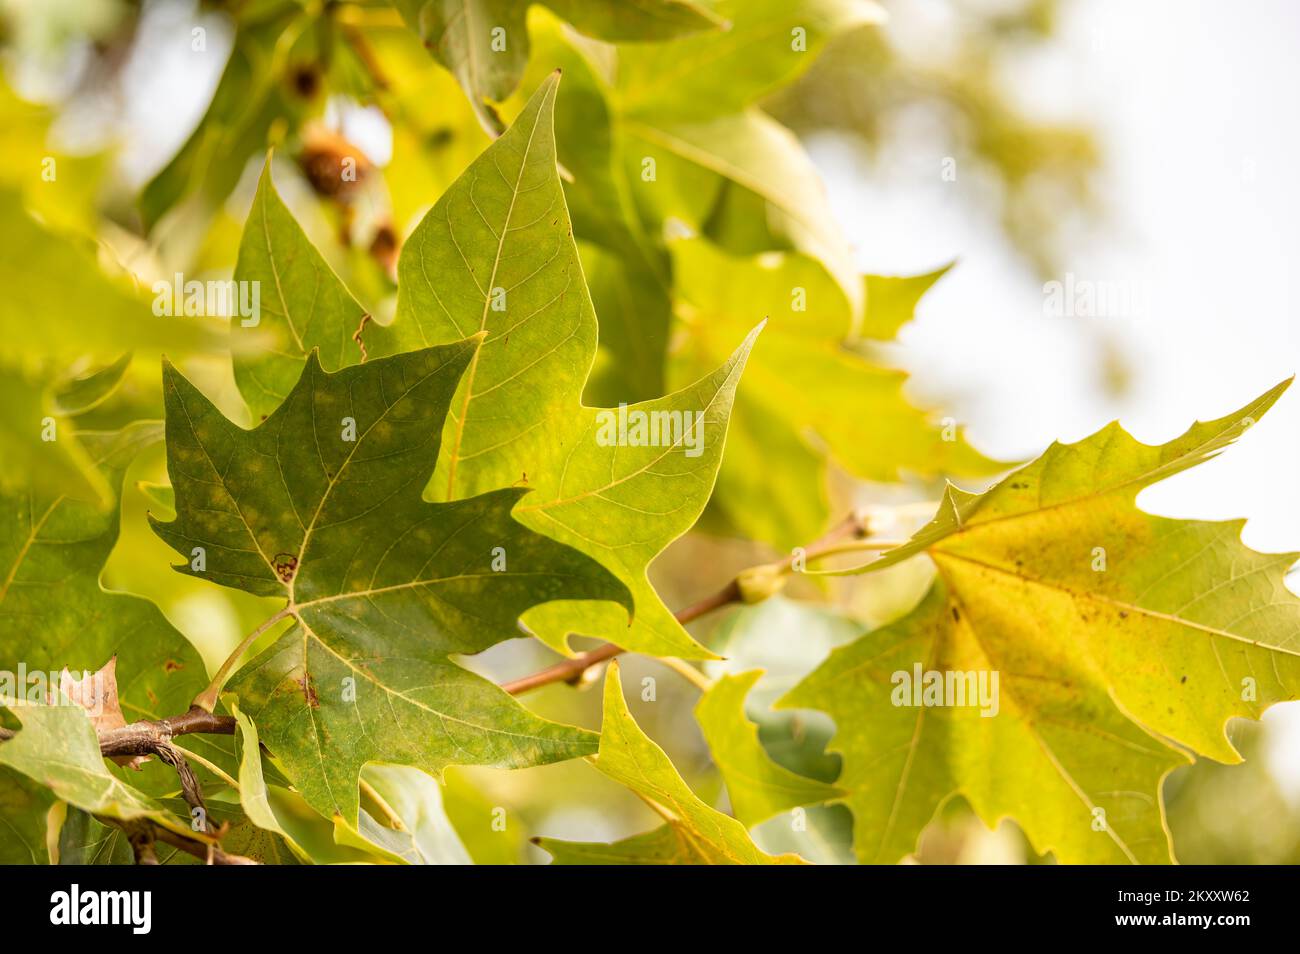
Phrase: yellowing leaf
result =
(1115, 637)
(693, 832)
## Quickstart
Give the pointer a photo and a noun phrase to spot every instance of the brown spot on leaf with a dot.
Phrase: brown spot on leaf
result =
(171, 666)
(286, 566)
(309, 692)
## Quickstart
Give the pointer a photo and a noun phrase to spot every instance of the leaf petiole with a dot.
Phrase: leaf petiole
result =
(207, 699)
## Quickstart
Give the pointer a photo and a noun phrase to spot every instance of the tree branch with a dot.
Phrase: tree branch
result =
(142, 834)
(855, 526)
(144, 738)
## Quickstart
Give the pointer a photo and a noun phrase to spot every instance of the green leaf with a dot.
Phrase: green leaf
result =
(767, 44)
(756, 152)
(495, 254)
(84, 840)
(672, 109)
(416, 803)
(485, 43)
(58, 310)
(303, 305)
(1120, 639)
(24, 806)
(253, 795)
(57, 748)
(758, 787)
(694, 833)
(84, 392)
(320, 504)
(55, 613)
(808, 396)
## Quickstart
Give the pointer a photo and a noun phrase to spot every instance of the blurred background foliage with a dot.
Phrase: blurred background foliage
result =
(158, 116)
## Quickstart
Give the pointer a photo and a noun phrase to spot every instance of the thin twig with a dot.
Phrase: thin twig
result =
(212, 854)
(853, 526)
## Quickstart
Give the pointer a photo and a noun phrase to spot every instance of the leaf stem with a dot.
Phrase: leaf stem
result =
(212, 767)
(688, 672)
(394, 819)
(207, 699)
(858, 546)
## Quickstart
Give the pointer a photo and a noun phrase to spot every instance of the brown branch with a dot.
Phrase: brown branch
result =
(142, 834)
(852, 527)
(154, 738)
(209, 853)
(144, 738)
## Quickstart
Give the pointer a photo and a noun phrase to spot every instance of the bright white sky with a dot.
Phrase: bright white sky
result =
(1197, 106)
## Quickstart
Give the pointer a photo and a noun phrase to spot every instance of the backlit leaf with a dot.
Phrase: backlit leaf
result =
(496, 254)
(1119, 640)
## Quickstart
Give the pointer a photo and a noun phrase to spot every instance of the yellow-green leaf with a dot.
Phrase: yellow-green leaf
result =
(496, 254)
(694, 833)
(758, 787)
(1117, 639)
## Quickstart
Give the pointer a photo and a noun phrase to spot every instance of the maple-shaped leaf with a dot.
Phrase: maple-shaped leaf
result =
(55, 614)
(484, 43)
(812, 390)
(757, 786)
(495, 254)
(321, 504)
(1115, 637)
(693, 833)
